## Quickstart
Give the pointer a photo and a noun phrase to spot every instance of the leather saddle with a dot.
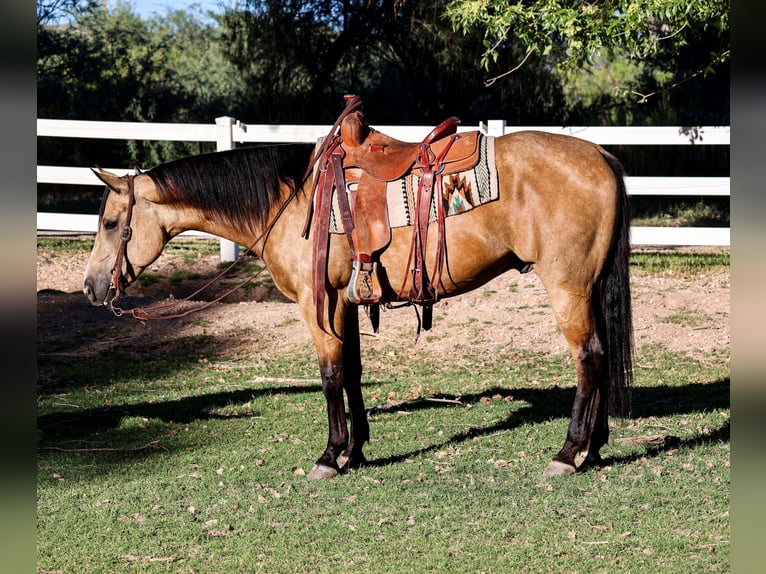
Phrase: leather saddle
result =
(356, 162)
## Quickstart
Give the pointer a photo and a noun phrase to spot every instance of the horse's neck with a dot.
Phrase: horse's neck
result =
(286, 218)
(286, 223)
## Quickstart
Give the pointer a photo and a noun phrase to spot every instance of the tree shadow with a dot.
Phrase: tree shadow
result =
(543, 405)
(79, 345)
(82, 424)
(553, 403)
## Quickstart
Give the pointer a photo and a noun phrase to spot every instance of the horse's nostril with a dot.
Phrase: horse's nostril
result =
(89, 293)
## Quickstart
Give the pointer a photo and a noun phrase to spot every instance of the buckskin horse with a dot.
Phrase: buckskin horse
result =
(560, 208)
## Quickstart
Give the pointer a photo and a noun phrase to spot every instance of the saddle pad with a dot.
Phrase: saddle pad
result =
(463, 191)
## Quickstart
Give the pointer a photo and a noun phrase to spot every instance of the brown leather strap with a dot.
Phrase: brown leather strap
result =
(324, 188)
(441, 248)
(329, 158)
(353, 103)
(125, 235)
(340, 185)
(420, 290)
(423, 289)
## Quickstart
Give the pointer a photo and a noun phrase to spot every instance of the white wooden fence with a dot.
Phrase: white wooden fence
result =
(227, 130)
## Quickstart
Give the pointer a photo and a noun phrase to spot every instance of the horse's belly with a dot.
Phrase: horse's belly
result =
(473, 257)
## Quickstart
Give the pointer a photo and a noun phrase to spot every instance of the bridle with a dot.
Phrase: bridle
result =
(118, 277)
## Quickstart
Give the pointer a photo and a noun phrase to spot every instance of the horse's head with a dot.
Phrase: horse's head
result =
(130, 236)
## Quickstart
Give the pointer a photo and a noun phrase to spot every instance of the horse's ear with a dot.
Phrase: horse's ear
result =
(112, 180)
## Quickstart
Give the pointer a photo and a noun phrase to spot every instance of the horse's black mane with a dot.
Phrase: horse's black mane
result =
(239, 186)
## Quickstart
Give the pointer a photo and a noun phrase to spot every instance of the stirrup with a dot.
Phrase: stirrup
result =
(364, 287)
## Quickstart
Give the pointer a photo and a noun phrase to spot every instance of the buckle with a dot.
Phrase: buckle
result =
(126, 233)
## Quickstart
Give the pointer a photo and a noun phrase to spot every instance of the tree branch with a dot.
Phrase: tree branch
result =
(491, 81)
(643, 98)
(152, 444)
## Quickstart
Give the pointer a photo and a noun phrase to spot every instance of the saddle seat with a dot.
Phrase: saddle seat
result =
(387, 159)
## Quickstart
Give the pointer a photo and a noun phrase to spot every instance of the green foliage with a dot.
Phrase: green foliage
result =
(118, 67)
(621, 61)
(298, 58)
(679, 213)
(574, 32)
(275, 61)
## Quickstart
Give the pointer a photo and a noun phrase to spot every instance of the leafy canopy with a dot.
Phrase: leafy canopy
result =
(572, 32)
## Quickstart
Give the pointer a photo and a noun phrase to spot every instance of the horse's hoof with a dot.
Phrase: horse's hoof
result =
(322, 472)
(556, 468)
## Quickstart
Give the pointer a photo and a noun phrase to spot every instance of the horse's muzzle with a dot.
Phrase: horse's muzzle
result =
(99, 293)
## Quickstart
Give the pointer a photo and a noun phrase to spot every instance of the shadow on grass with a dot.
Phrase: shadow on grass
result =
(547, 404)
(544, 405)
(81, 424)
(79, 345)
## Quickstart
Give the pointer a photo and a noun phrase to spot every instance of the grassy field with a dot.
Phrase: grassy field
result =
(155, 461)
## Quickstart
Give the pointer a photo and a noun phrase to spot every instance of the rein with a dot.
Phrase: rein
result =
(142, 314)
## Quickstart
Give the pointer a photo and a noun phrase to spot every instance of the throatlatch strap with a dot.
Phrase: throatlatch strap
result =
(125, 235)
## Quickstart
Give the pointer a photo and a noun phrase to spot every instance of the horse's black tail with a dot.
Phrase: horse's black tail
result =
(615, 302)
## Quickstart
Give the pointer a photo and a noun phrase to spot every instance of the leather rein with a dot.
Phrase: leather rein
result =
(119, 279)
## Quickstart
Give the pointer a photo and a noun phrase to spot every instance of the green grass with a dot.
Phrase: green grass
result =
(187, 458)
(185, 465)
(686, 317)
(681, 262)
(64, 244)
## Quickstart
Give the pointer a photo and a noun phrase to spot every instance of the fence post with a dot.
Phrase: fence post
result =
(495, 128)
(224, 142)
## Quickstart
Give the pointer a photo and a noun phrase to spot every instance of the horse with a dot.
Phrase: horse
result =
(562, 211)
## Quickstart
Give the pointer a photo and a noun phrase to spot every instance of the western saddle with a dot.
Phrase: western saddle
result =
(357, 162)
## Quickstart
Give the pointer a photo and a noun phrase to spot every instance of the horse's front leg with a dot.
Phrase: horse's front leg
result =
(353, 457)
(340, 368)
(329, 352)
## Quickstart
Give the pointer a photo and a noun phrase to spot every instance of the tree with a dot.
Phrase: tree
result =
(571, 33)
(52, 11)
(116, 66)
(296, 58)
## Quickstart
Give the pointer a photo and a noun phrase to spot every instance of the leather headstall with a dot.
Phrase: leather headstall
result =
(118, 277)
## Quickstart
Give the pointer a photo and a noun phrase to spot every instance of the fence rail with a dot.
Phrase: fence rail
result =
(227, 130)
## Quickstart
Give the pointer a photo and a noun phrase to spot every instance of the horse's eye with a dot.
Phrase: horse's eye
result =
(110, 224)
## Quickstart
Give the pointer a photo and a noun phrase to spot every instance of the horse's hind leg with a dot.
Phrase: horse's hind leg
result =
(588, 428)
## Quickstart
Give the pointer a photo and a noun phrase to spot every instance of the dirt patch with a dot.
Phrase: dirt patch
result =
(682, 313)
